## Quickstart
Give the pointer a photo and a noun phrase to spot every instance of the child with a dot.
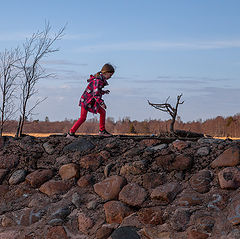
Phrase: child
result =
(91, 100)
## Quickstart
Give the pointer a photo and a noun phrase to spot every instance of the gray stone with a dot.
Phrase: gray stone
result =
(126, 233)
(61, 213)
(157, 147)
(76, 200)
(17, 177)
(48, 148)
(92, 205)
(56, 222)
(204, 151)
(210, 141)
(81, 145)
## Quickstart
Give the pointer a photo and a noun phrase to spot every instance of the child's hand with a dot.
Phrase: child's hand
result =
(107, 91)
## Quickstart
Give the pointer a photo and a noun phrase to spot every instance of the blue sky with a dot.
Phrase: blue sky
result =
(160, 48)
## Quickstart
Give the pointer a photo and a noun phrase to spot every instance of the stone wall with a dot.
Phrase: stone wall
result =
(119, 188)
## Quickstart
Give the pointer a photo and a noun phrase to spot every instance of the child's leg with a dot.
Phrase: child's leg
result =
(80, 120)
(102, 113)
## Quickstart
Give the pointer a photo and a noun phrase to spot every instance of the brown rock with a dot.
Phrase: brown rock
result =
(104, 232)
(152, 180)
(105, 154)
(194, 234)
(110, 187)
(10, 235)
(180, 145)
(180, 219)
(190, 198)
(7, 221)
(200, 182)
(3, 173)
(115, 211)
(8, 162)
(154, 232)
(233, 215)
(57, 232)
(55, 187)
(132, 194)
(229, 178)
(165, 160)
(3, 190)
(69, 171)
(38, 177)
(84, 223)
(135, 168)
(91, 161)
(229, 158)
(149, 142)
(152, 215)
(218, 199)
(181, 162)
(166, 193)
(85, 181)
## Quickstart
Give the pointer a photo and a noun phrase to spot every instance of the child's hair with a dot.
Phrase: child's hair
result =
(107, 68)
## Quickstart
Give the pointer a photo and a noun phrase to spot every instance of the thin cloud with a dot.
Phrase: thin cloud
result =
(63, 63)
(159, 45)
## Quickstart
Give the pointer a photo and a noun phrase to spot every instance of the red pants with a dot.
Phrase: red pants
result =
(83, 117)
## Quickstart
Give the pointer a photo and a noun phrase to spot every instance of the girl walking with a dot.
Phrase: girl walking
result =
(91, 100)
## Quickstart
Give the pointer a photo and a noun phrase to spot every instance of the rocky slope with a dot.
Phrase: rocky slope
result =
(119, 188)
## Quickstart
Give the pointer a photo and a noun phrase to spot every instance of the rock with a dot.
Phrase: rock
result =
(55, 187)
(63, 160)
(38, 177)
(126, 233)
(3, 141)
(91, 205)
(110, 187)
(91, 162)
(180, 219)
(132, 220)
(104, 232)
(201, 181)
(152, 215)
(7, 221)
(76, 200)
(180, 144)
(69, 171)
(203, 151)
(152, 180)
(228, 158)
(165, 161)
(48, 148)
(107, 169)
(3, 173)
(166, 193)
(149, 142)
(29, 216)
(84, 223)
(210, 141)
(157, 147)
(192, 233)
(181, 162)
(233, 214)
(132, 152)
(190, 198)
(154, 232)
(3, 190)
(105, 154)
(82, 145)
(57, 232)
(17, 177)
(56, 222)
(61, 213)
(135, 168)
(116, 211)
(217, 199)
(85, 181)
(229, 178)
(8, 161)
(132, 194)
(10, 235)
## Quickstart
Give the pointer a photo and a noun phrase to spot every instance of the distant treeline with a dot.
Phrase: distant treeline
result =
(219, 126)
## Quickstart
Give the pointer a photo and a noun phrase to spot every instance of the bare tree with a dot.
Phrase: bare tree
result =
(38, 46)
(166, 107)
(8, 76)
